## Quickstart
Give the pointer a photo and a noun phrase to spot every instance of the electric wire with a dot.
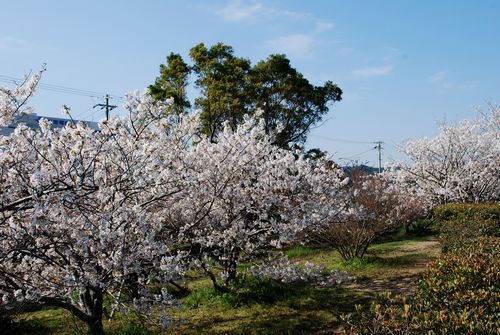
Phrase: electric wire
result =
(59, 88)
(341, 140)
(359, 154)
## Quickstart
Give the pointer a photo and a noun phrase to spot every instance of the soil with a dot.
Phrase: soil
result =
(405, 282)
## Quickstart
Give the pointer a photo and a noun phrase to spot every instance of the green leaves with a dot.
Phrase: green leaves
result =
(289, 100)
(172, 83)
(231, 88)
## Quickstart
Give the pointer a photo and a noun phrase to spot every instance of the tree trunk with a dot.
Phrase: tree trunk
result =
(93, 301)
(96, 328)
(92, 315)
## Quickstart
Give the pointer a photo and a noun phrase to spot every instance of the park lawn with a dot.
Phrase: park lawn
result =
(391, 265)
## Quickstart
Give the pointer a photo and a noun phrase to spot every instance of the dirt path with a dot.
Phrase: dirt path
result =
(405, 280)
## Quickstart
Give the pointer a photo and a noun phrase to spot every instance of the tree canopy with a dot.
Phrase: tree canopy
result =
(230, 88)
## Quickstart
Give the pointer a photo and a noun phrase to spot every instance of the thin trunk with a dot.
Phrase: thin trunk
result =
(93, 301)
(96, 328)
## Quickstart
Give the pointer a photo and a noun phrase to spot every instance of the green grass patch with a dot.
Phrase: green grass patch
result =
(303, 251)
(255, 306)
(48, 321)
(294, 310)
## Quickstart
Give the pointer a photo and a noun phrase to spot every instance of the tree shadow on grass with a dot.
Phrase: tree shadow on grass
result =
(45, 320)
(305, 310)
(318, 311)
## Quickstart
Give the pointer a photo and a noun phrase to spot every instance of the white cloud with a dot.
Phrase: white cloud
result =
(322, 26)
(438, 77)
(375, 71)
(300, 45)
(441, 79)
(244, 11)
(237, 11)
(9, 42)
(296, 45)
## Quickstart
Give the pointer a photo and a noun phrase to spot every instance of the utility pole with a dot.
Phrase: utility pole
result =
(107, 106)
(379, 148)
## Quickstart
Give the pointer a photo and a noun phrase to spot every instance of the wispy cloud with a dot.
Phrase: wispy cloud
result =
(297, 45)
(375, 71)
(438, 77)
(322, 26)
(344, 51)
(9, 42)
(237, 11)
(441, 79)
(302, 45)
(242, 11)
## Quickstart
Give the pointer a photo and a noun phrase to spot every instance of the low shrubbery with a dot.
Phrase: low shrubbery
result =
(246, 290)
(459, 293)
(423, 227)
(460, 223)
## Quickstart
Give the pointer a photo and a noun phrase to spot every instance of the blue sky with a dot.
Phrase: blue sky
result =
(403, 65)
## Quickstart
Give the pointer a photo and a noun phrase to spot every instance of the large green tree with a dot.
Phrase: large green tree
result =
(223, 81)
(289, 100)
(231, 88)
(172, 83)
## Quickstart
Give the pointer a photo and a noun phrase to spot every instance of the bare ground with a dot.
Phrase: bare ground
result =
(404, 281)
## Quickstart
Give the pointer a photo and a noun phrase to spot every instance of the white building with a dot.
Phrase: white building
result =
(31, 120)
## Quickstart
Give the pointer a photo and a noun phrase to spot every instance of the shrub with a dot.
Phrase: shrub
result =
(375, 207)
(459, 223)
(420, 227)
(247, 289)
(483, 211)
(458, 294)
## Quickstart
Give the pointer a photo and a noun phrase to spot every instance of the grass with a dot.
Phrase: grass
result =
(294, 309)
(269, 308)
(385, 259)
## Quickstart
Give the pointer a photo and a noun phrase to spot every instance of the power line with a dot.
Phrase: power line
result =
(357, 155)
(341, 140)
(59, 88)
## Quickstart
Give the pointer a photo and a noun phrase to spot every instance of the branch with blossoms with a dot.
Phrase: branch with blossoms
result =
(460, 164)
(80, 209)
(13, 102)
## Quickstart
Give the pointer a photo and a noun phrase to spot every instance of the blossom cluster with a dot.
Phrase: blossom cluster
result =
(281, 269)
(460, 164)
(82, 211)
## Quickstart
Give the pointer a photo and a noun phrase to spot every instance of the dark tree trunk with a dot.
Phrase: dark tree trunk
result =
(96, 328)
(93, 301)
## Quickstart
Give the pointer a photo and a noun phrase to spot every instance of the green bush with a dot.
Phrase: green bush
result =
(246, 290)
(460, 223)
(131, 328)
(481, 211)
(466, 282)
(458, 294)
(420, 228)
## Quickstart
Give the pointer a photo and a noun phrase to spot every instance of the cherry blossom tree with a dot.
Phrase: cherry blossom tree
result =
(14, 102)
(373, 206)
(79, 208)
(83, 211)
(243, 196)
(461, 164)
